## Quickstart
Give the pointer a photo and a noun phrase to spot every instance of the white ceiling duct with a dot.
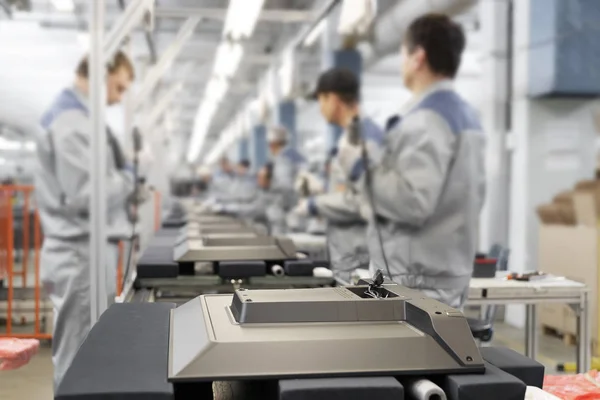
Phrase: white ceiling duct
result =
(391, 25)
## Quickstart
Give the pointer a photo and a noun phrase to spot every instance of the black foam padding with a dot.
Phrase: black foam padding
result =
(384, 388)
(529, 371)
(494, 384)
(298, 267)
(157, 262)
(174, 223)
(241, 269)
(124, 357)
(322, 263)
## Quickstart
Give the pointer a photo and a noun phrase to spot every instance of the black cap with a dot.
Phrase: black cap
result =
(340, 81)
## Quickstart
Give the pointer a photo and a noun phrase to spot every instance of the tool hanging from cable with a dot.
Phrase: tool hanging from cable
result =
(355, 138)
(135, 201)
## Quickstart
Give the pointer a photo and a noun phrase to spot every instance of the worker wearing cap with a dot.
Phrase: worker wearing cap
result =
(428, 188)
(338, 93)
(287, 162)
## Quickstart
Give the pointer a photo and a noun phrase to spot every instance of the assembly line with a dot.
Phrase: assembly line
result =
(347, 213)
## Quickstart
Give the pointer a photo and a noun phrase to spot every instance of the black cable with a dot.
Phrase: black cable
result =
(369, 188)
(136, 147)
(355, 137)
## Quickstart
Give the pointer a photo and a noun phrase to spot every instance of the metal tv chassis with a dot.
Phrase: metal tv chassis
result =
(299, 333)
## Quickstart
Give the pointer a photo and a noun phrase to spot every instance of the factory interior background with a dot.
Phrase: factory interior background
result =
(530, 69)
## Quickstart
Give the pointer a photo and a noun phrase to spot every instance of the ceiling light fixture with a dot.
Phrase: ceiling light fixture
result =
(64, 5)
(314, 34)
(228, 58)
(241, 18)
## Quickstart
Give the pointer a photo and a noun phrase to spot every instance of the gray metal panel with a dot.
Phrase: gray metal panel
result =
(301, 349)
(235, 249)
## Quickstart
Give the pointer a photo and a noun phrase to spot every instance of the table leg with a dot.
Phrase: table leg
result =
(584, 356)
(531, 331)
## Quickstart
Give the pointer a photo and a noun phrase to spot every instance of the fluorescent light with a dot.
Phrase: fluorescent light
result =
(30, 145)
(64, 5)
(227, 59)
(241, 18)
(314, 34)
(216, 89)
(6, 144)
(286, 75)
(201, 125)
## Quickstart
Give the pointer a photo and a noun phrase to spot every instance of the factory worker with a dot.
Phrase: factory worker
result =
(338, 92)
(62, 182)
(428, 188)
(245, 182)
(256, 208)
(287, 162)
(222, 184)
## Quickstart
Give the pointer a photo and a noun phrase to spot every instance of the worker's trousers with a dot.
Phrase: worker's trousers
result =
(65, 275)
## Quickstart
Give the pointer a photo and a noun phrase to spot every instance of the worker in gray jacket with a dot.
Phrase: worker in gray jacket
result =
(254, 209)
(62, 182)
(222, 184)
(287, 162)
(338, 92)
(427, 191)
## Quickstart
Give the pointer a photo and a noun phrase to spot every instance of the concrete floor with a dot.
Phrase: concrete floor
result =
(34, 381)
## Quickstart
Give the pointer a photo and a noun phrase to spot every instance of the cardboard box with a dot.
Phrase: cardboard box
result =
(570, 247)
(570, 251)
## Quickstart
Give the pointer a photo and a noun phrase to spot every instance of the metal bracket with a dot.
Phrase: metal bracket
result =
(155, 74)
(135, 12)
(268, 15)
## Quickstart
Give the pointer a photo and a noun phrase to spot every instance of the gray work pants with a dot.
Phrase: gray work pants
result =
(65, 275)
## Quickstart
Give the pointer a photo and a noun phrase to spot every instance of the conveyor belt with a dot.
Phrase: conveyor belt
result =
(184, 288)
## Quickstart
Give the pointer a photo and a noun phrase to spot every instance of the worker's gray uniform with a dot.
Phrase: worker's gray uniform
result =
(62, 183)
(221, 186)
(346, 228)
(254, 209)
(286, 166)
(244, 188)
(428, 191)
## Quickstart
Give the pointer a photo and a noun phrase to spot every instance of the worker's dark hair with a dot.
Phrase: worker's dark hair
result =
(340, 81)
(442, 39)
(119, 60)
(245, 163)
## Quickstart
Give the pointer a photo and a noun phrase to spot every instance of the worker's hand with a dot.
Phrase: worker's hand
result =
(217, 208)
(349, 157)
(305, 208)
(132, 213)
(145, 161)
(301, 209)
(142, 194)
(308, 184)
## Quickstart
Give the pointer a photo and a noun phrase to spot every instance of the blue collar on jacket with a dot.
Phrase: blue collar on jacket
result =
(67, 100)
(292, 154)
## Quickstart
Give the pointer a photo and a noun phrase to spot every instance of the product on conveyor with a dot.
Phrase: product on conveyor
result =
(380, 330)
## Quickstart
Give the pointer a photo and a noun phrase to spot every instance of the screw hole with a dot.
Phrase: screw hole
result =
(437, 312)
(248, 300)
(469, 358)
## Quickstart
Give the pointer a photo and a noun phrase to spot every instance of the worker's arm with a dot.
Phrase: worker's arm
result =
(336, 206)
(255, 209)
(72, 155)
(284, 172)
(408, 180)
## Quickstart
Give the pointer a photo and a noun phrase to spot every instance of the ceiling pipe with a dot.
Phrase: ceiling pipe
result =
(148, 36)
(390, 27)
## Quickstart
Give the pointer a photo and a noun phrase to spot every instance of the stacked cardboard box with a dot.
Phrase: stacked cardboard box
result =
(568, 246)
